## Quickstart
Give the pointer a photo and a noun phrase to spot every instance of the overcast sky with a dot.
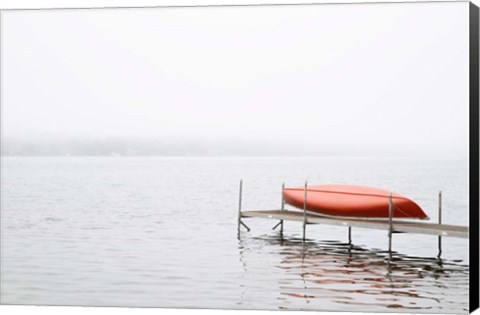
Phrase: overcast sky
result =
(373, 79)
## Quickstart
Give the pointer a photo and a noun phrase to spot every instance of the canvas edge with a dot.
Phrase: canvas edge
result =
(474, 155)
(215, 3)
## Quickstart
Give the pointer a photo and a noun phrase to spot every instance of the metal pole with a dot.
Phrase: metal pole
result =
(305, 210)
(349, 235)
(283, 208)
(277, 225)
(248, 229)
(390, 225)
(239, 207)
(439, 222)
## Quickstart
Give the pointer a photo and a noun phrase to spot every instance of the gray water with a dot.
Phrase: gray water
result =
(161, 232)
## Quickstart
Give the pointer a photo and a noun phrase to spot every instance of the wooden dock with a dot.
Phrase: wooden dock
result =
(399, 226)
(391, 225)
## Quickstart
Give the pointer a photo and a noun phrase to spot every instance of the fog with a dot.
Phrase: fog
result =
(324, 80)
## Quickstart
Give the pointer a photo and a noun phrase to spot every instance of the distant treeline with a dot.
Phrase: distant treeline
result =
(207, 147)
(123, 147)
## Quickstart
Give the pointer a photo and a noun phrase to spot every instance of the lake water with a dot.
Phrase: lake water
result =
(161, 232)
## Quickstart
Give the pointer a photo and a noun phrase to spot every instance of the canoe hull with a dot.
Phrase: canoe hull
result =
(352, 201)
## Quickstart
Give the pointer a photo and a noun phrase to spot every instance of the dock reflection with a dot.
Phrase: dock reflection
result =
(332, 275)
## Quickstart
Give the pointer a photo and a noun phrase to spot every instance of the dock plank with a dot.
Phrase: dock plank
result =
(398, 226)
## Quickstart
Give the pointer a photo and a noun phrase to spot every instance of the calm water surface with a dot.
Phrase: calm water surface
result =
(162, 232)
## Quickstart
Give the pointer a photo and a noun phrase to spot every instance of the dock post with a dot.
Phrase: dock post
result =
(390, 223)
(349, 235)
(283, 208)
(239, 219)
(439, 222)
(305, 210)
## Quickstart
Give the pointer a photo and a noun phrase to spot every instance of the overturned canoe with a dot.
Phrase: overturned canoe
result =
(352, 201)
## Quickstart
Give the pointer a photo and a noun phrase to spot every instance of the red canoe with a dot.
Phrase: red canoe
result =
(352, 201)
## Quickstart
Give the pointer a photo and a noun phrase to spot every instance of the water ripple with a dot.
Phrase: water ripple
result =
(318, 275)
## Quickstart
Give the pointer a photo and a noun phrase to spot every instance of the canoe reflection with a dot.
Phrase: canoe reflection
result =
(339, 276)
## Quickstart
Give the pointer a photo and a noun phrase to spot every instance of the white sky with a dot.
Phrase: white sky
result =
(390, 79)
